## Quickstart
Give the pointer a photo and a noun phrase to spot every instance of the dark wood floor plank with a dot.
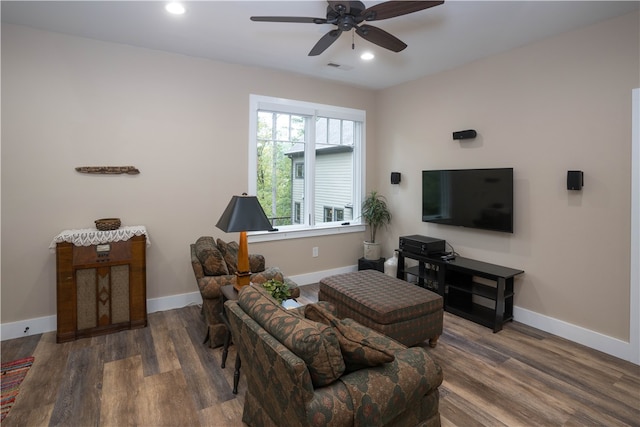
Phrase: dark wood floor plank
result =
(43, 381)
(572, 371)
(165, 401)
(162, 343)
(121, 384)
(457, 411)
(226, 414)
(79, 397)
(203, 385)
(19, 348)
(145, 348)
(494, 387)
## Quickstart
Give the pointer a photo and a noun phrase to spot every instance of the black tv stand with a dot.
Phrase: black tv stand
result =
(453, 279)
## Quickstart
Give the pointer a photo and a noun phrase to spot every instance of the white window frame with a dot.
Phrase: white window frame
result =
(259, 102)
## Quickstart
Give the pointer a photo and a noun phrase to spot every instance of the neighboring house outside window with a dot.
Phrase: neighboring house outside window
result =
(306, 163)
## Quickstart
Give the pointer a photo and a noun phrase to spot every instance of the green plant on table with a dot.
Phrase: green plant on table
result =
(279, 290)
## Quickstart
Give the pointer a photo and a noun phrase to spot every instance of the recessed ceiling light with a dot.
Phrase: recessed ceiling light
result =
(175, 8)
(367, 56)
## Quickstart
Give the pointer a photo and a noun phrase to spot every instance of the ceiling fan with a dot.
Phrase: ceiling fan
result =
(350, 15)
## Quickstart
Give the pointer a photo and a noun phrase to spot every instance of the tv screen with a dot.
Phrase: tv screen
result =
(475, 198)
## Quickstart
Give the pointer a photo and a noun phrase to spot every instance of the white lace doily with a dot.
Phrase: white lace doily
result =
(93, 236)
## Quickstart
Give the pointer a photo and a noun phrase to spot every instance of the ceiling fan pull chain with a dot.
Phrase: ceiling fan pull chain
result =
(353, 39)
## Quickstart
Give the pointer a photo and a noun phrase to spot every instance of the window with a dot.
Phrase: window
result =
(306, 163)
(333, 214)
(297, 212)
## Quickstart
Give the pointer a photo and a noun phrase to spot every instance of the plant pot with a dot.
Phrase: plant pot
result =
(371, 251)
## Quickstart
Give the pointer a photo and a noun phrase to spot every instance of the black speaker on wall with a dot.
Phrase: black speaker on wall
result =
(465, 134)
(395, 177)
(575, 180)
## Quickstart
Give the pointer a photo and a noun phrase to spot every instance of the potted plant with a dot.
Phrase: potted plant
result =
(376, 214)
(278, 290)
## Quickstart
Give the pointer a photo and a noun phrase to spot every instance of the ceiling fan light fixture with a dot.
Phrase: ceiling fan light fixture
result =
(367, 56)
(175, 8)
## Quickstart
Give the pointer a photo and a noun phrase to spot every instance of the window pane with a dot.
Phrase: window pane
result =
(347, 132)
(334, 174)
(334, 131)
(282, 127)
(298, 124)
(276, 155)
(321, 130)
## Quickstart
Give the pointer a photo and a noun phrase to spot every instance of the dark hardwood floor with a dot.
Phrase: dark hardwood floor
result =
(163, 375)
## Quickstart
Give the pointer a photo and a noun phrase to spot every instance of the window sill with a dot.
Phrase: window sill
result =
(292, 233)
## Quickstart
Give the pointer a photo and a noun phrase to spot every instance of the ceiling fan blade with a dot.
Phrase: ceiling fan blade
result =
(326, 41)
(391, 9)
(380, 37)
(294, 19)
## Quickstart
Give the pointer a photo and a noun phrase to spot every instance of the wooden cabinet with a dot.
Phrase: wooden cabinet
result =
(100, 288)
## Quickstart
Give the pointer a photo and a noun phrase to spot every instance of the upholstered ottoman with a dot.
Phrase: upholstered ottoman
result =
(405, 312)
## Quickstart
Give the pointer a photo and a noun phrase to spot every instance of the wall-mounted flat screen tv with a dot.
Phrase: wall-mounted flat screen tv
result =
(475, 198)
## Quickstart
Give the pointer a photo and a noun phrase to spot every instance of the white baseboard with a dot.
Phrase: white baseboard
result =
(315, 277)
(595, 340)
(580, 335)
(41, 325)
(37, 325)
(173, 301)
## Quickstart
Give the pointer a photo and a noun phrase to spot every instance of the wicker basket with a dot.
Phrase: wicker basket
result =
(105, 224)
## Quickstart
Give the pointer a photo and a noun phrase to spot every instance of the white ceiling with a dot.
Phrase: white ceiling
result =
(439, 38)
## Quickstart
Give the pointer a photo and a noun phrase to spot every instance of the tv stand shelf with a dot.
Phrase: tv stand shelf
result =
(455, 280)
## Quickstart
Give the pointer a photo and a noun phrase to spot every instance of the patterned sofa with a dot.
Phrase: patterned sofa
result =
(306, 367)
(214, 265)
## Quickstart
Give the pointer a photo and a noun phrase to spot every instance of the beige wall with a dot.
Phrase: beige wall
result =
(557, 105)
(553, 106)
(183, 121)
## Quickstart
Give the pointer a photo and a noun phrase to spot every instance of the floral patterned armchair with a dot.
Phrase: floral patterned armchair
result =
(214, 265)
(305, 367)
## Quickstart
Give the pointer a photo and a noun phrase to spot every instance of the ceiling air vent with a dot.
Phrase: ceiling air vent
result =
(339, 66)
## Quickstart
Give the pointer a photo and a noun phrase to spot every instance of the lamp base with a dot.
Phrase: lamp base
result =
(242, 280)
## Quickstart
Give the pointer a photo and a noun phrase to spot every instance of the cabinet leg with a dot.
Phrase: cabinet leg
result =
(433, 341)
(499, 313)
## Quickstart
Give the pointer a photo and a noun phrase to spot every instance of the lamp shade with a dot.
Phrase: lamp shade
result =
(244, 213)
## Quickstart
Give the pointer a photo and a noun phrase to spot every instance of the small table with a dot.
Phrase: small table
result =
(229, 293)
(371, 264)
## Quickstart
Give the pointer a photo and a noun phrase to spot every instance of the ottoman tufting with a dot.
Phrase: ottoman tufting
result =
(405, 312)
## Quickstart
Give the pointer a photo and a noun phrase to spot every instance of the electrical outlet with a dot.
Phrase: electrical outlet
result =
(314, 252)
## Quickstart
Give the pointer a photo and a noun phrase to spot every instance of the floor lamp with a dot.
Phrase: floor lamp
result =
(243, 214)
